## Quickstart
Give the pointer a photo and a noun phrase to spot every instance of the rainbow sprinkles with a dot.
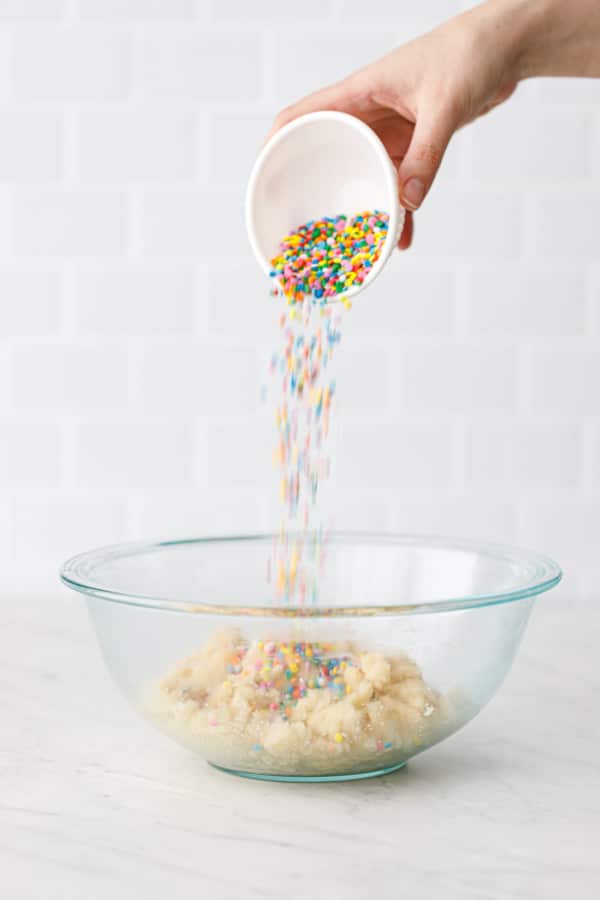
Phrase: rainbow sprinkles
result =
(318, 262)
(324, 258)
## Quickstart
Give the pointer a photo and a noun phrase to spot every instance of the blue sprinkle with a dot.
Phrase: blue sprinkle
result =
(257, 747)
(387, 745)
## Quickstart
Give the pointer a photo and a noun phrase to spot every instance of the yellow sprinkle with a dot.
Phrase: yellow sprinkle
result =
(338, 737)
(281, 578)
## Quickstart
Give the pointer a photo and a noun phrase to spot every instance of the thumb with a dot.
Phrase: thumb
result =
(430, 138)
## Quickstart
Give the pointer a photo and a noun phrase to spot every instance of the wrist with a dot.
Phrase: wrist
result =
(550, 37)
(506, 31)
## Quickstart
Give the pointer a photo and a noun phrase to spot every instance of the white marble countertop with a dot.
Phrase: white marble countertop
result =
(95, 804)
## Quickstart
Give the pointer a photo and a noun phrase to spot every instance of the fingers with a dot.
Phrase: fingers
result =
(407, 232)
(337, 97)
(419, 167)
(395, 133)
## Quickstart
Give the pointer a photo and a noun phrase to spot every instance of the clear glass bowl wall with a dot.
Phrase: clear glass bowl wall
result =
(457, 609)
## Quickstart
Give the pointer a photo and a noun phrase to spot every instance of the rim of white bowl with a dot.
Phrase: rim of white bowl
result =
(390, 175)
(77, 573)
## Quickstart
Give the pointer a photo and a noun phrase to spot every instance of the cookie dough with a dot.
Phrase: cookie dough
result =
(298, 708)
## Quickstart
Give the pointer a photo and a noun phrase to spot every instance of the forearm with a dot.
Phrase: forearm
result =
(550, 37)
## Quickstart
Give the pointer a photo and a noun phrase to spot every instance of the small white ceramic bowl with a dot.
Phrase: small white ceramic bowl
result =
(321, 164)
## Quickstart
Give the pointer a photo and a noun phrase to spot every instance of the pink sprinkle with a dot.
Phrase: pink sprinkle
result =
(273, 706)
(370, 239)
(213, 723)
(379, 746)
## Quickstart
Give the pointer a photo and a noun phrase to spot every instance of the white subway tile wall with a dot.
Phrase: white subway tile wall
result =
(78, 63)
(135, 327)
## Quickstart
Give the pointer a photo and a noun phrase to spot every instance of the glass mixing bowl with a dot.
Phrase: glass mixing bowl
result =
(409, 640)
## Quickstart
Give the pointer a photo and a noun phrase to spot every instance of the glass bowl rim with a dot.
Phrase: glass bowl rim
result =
(546, 574)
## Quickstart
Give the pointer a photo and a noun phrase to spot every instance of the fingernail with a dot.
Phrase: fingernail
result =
(413, 192)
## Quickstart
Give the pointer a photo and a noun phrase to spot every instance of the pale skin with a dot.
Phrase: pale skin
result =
(418, 95)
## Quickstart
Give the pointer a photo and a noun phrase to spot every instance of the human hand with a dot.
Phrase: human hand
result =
(417, 96)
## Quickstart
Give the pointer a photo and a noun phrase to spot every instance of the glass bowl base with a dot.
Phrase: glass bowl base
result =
(374, 773)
